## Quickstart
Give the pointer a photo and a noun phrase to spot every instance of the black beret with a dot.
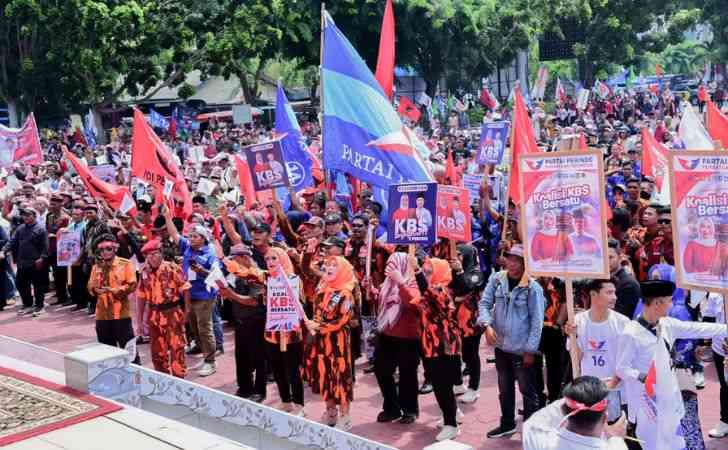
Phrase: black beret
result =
(657, 288)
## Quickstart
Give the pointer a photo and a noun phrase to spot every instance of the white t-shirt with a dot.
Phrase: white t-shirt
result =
(598, 343)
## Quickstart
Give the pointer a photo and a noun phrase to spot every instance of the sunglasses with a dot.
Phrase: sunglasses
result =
(664, 221)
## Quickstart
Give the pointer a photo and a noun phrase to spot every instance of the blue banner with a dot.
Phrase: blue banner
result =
(157, 120)
(412, 213)
(493, 139)
(363, 134)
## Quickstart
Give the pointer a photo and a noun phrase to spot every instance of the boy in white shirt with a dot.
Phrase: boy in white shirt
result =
(597, 333)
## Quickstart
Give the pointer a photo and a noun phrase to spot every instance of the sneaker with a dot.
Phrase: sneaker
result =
(344, 423)
(23, 311)
(298, 411)
(501, 432)
(219, 351)
(384, 417)
(459, 418)
(720, 430)
(207, 369)
(448, 432)
(285, 407)
(199, 365)
(37, 312)
(425, 389)
(194, 350)
(470, 396)
(699, 380)
(460, 389)
(407, 419)
(257, 398)
(329, 417)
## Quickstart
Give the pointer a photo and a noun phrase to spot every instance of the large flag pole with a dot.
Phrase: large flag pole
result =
(327, 178)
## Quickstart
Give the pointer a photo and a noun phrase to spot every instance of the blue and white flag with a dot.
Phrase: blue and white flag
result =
(295, 152)
(90, 131)
(363, 134)
(157, 120)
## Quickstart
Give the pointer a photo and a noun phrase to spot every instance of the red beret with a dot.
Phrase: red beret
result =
(151, 246)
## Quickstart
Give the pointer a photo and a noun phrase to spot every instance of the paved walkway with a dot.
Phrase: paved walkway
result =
(62, 330)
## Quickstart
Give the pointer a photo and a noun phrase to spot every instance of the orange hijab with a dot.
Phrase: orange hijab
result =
(441, 272)
(284, 260)
(345, 279)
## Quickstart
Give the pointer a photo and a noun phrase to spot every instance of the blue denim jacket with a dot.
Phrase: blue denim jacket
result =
(516, 317)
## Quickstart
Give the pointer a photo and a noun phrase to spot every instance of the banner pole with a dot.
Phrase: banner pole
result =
(327, 177)
(575, 366)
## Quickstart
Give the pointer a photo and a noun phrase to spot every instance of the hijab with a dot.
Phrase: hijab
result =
(390, 303)
(666, 272)
(441, 273)
(344, 281)
(471, 278)
(283, 259)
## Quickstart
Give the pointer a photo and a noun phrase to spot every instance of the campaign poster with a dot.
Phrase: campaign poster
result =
(453, 213)
(472, 184)
(267, 167)
(699, 191)
(69, 248)
(106, 172)
(284, 311)
(564, 221)
(412, 213)
(20, 145)
(493, 138)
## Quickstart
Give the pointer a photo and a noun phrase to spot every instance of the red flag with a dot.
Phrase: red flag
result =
(658, 70)
(408, 109)
(522, 141)
(246, 183)
(385, 60)
(717, 124)
(152, 163)
(654, 158)
(487, 99)
(451, 172)
(118, 197)
(172, 128)
(582, 142)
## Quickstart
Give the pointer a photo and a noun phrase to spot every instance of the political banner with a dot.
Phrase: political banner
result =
(493, 138)
(564, 217)
(106, 172)
(472, 184)
(412, 213)
(20, 145)
(699, 195)
(284, 311)
(453, 213)
(267, 167)
(69, 248)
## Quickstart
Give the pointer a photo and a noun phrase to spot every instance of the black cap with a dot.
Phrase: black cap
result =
(657, 288)
(261, 227)
(334, 242)
(332, 218)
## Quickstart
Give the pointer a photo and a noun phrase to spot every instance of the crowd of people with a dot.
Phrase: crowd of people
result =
(147, 277)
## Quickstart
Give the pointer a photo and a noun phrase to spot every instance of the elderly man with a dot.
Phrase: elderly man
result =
(161, 287)
(112, 280)
(29, 247)
(512, 310)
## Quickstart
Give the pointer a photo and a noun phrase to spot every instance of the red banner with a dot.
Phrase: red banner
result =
(21, 145)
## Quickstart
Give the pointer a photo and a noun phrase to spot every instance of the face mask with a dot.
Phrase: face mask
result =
(644, 195)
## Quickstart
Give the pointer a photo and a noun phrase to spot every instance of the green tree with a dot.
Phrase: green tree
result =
(617, 32)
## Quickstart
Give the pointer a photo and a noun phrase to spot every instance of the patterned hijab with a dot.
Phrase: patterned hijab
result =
(390, 303)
